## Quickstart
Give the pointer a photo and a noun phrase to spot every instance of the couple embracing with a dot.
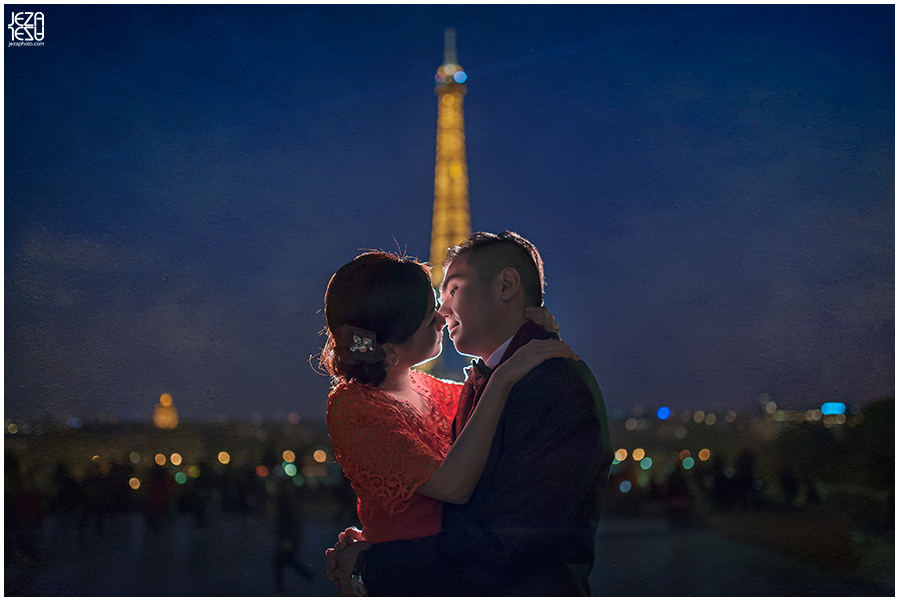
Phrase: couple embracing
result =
(487, 488)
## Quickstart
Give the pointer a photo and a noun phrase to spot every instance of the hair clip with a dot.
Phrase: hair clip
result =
(358, 346)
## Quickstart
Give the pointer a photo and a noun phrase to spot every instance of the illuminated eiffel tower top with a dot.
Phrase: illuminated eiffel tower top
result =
(451, 223)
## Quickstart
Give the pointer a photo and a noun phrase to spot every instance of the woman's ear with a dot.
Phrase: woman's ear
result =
(390, 353)
(510, 283)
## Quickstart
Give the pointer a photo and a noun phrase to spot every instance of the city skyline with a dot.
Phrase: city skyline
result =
(711, 187)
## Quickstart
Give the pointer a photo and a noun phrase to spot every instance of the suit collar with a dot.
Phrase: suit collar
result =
(529, 331)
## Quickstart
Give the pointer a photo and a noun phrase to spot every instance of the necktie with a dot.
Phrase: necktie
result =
(476, 374)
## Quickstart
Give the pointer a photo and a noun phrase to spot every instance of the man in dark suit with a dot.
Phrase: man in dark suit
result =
(529, 527)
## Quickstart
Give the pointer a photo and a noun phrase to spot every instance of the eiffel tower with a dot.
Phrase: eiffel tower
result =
(451, 223)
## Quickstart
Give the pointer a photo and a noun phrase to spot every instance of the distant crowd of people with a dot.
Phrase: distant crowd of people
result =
(86, 504)
(686, 494)
(104, 490)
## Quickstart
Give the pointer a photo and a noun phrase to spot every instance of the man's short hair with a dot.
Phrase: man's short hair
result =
(490, 254)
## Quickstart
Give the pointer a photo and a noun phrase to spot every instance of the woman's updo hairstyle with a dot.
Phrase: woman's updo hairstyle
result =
(378, 292)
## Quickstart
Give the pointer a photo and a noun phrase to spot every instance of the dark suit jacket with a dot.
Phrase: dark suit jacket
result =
(530, 524)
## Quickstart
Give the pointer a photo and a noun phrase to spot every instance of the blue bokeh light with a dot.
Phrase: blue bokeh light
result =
(625, 486)
(663, 413)
(688, 463)
(460, 77)
(833, 407)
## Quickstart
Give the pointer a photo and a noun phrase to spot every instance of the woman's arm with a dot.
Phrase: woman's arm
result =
(455, 479)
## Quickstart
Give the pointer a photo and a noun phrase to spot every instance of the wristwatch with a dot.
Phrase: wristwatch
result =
(356, 583)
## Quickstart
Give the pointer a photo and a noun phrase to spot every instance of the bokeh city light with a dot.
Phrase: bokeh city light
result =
(832, 408)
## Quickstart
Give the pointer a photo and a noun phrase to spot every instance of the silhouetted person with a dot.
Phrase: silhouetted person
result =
(744, 479)
(160, 496)
(812, 492)
(251, 490)
(345, 501)
(28, 515)
(789, 487)
(202, 494)
(68, 492)
(679, 500)
(288, 531)
(723, 488)
(117, 490)
(92, 499)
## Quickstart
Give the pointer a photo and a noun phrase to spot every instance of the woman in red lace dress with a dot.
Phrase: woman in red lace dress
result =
(389, 424)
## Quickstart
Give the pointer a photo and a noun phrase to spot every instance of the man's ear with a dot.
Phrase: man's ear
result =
(510, 283)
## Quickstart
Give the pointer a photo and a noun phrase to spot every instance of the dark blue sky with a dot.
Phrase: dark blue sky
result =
(711, 187)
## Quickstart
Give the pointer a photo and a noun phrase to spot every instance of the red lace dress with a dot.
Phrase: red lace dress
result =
(387, 448)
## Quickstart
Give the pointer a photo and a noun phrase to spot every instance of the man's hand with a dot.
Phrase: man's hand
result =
(341, 559)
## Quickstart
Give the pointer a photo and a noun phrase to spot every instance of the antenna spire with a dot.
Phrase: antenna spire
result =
(450, 46)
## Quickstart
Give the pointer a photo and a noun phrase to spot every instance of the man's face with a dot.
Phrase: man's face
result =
(468, 305)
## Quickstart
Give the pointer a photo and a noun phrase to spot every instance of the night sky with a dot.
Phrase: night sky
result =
(711, 187)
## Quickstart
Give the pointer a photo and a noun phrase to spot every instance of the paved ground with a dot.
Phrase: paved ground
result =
(233, 557)
(645, 557)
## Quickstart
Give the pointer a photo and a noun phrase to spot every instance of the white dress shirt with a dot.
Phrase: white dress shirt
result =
(495, 358)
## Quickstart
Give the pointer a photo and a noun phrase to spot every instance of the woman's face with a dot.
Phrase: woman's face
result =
(425, 344)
